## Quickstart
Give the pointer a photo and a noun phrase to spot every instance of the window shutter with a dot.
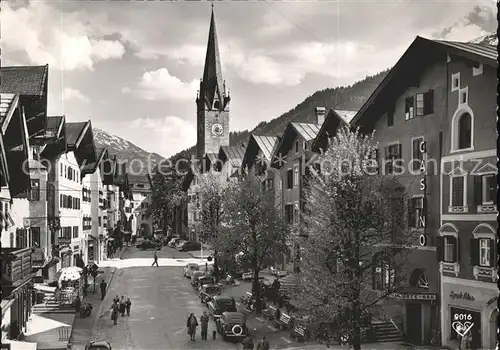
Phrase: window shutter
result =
(429, 102)
(457, 245)
(493, 254)
(478, 190)
(439, 248)
(474, 252)
(399, 151)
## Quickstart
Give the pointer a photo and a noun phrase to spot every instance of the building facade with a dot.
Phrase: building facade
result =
(468, 200)
(141, 198)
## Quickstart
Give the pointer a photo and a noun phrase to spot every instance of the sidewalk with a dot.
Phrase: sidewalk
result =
(83, 328)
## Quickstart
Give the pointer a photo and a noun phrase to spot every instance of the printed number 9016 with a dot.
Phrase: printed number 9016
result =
(462, 317)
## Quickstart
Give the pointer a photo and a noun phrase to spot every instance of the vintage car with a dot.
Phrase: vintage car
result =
(173, 242)
(232, 325)
(98, 345)
(190, 268)
(198, 281)
(149, 245)
(220, 304)
(208, 291)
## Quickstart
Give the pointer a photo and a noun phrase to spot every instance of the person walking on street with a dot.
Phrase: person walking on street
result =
(263, 344)
(156, 260)
(247, 343)
(114, 312)
(122, 306)
(204, 325)
(103, 286)
(128, 303)
(191, 325)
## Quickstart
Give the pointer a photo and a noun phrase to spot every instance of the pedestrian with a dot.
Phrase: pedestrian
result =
(204, 325)
(116, 299)
(191, 325)
(122, 306)
(128, 303)
(247, 343)
(156, 260)
(114, 312)
(263, 344)
(103, 286)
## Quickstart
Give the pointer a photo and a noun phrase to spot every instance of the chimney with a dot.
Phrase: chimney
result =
(320, 115)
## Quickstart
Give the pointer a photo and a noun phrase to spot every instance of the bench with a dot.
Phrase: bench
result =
(284, 321)
(298, 333)
(270, 312)
(246, 297)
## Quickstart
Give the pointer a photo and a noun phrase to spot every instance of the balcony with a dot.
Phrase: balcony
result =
(16, 268)
(38, 257)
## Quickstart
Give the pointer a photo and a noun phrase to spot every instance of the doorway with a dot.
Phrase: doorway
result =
(414, 323)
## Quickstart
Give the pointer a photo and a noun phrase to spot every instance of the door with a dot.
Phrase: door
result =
(414, 323)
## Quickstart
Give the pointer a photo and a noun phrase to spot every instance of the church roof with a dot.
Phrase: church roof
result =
(212, 75)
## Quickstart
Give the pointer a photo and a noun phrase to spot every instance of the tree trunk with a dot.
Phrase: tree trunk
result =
(256, 290)
(356, 339)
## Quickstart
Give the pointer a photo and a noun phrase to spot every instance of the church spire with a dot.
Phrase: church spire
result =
(212, 84)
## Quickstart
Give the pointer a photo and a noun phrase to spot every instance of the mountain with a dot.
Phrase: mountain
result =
(491, 39)
(126, 150)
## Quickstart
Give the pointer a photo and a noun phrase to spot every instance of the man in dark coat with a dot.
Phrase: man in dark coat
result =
(103, 286)
(128, 304)
(156, 260)
(204, 325)
(263, 344)
(247, 343)
(122, 306)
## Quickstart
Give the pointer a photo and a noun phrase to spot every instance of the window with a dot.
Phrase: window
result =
(289, 213)
(425, 103)
(489, 186)
(70, 202)
(75, 231)
(297, 146)
(296, 175)
(463, 96)
(457, 191)
(21, 238)
(485, 246)
(34, 193)
(65, 171)
(296, 213)
(383, 274)
(35, 237)
(61, 173)
(417, 155)
(289, 178)
(61, 200)
(416, 212)
(392, 152)
(420, 104)
(390, 117)
(409, 108)
(70, 173)
(305, 145)
(450, 249)
(455, 82)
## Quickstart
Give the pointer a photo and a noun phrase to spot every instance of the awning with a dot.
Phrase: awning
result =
(44, 288)
(20, 345)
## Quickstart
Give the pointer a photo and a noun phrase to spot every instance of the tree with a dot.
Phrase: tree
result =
(252, 228)
(353, 210)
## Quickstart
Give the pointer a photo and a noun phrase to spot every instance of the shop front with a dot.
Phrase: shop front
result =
(470, 304)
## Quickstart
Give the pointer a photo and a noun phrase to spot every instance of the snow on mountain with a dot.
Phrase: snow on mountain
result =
(126, 150)
(490, 39)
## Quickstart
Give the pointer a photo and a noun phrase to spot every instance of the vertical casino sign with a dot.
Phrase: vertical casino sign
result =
(422, 212)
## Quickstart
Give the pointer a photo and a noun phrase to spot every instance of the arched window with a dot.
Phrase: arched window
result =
(464, 131)
(418, 279)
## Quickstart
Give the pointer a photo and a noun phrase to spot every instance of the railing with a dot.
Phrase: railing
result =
(17, 264)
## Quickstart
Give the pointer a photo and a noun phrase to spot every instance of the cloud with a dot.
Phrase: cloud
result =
(65, 41)
(166, 136)
(70, 93)
(160, 84)
(478, 22)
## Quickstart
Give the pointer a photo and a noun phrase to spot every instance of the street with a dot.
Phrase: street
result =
(161, 299)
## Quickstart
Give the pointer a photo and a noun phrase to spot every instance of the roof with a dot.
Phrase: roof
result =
(24, 80)
(236, 317)
(418, 56)
(223, 298)
(330, 126)
(266, 145)
(54, 124)
(233, 154)
(8, 104)
(212, 157)
(73, 132)
(306, 130)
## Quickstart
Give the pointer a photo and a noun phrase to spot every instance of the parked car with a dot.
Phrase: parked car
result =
(201, 280)
(208, 291)
(220, 304)
(98, 345)
(179, 243)
(232, 325)
(149, 245)
(190, 246)
(190, 268)
(196, 274)
(173, 242)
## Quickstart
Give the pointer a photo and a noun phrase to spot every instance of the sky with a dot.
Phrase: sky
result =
(133, 67)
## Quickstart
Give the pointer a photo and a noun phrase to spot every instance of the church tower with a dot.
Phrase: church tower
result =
(212, 101)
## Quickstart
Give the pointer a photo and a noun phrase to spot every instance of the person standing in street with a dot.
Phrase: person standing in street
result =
(204, 325)
(247, 343)
(116, 299)
(263, 344)
(103, 286)
(156, 260)
(128, 303)
(114, 312)
(122, 306)
(191, 325)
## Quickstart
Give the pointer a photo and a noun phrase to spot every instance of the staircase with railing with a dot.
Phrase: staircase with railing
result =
(60, 301)
(386, 331)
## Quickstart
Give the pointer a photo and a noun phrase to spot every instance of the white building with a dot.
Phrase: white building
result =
(141, 201)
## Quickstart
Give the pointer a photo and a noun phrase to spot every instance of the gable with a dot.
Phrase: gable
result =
(487, 168)
(458, 171)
